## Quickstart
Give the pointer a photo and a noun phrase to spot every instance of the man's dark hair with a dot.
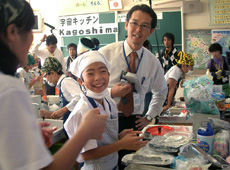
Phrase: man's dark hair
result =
(146, 9)
(51, 39)
(146, 44)
(170, 36)
(72, 45)
(215, 47)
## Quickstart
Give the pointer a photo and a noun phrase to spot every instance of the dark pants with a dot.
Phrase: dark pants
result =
(49, 89)
(125, 123)
(148, 98)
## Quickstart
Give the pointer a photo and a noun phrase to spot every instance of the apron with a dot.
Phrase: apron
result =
(63, 103)
(110, 136)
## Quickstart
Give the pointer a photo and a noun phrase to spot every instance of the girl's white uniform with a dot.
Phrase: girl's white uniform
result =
(21, 143)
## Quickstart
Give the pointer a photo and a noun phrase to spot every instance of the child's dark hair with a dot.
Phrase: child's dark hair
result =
(215, 47)
(72, 45)
(24, 22)
(51, 39)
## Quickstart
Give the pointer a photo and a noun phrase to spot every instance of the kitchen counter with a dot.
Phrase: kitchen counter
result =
(59, 133)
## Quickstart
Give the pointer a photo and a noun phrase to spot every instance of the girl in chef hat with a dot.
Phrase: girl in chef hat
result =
(92, 70)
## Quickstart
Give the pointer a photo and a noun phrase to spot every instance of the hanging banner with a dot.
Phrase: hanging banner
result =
(219, 12)
(83, 25)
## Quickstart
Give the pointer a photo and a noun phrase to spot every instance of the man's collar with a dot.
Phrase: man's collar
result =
(74, 57)
(128, 50)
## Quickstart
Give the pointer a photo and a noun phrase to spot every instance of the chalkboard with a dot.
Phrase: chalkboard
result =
(171, 22)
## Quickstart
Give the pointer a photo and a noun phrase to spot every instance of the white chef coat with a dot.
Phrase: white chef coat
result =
(149, 74)
(70, 89)
(21, 143)
(44, 53)
(75, 118)
(174, 73)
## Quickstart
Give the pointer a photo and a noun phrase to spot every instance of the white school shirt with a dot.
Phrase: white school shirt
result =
(75, 118)
(44, 53)
(21, 143)
(149, 74)
(173, 73)
(70, 89)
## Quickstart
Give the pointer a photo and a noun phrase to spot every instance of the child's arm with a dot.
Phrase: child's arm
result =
(34, 80)
(59, 113)
(65, 157)
(45, 113)
(171, 89)
(128, 142)
(127, 131)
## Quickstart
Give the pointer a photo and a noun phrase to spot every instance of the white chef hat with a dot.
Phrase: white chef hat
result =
(85, 44)
(84, 60)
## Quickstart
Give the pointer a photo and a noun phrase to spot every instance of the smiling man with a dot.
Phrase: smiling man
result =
(140, 24)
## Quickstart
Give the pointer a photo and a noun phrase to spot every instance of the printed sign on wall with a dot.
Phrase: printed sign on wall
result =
(78, 25)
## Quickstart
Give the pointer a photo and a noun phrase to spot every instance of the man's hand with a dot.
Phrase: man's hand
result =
(43, 38)
(141, 122)
(119, 90)
(47, 133)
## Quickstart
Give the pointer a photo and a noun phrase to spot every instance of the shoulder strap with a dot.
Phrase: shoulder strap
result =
(62, 80)
(91, 100)
(68, 62)
(93, 103)
(108, 104)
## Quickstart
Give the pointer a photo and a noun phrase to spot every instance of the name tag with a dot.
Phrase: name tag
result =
(136, 101)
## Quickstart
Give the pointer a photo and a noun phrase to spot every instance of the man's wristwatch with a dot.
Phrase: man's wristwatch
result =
(148, 117)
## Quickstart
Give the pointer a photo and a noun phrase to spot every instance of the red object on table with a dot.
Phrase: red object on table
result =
(159, 130)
